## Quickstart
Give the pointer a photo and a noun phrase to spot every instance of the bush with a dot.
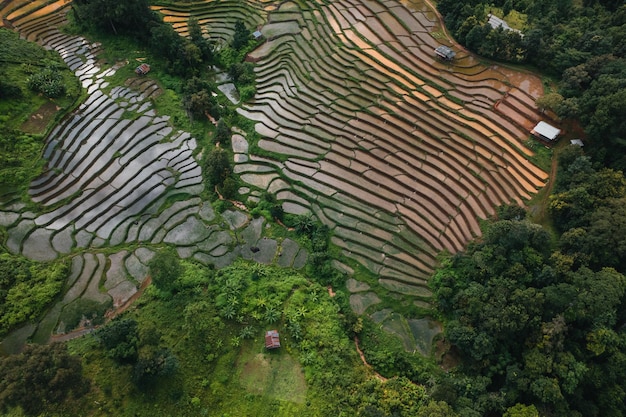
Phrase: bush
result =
(120, 338)
(8, 91)
(48, 81)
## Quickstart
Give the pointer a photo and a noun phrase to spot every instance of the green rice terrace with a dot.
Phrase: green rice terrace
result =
(355, 121)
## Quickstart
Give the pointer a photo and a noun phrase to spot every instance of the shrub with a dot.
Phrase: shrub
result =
(48, 81)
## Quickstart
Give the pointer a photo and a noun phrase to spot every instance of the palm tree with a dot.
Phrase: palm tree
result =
(229, 311)
(305, 223)
(271, 315)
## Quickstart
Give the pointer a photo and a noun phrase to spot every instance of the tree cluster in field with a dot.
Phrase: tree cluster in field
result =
(539, 322)
(123, 342)
(188, 61)
(594, 93)
(47, 81)
(41, 378)
(185, 57)
(559, 34)
(43, 67)
(26, 288)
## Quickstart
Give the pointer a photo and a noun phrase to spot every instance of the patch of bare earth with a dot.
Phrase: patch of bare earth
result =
(38, 121)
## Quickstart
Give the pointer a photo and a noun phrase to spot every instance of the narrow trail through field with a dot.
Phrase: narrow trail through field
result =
(358, 349)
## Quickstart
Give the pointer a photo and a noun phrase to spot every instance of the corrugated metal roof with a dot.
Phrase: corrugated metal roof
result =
(547, 131)
(445, 52)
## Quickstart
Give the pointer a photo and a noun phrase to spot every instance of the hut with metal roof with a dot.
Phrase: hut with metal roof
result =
(545, 132)
(272, 339)
(444, 52)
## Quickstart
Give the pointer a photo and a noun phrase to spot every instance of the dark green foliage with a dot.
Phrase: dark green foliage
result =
(8, 90)
(560, 35)
(196, 37)
(120, 340)
(511, 212)
(40, 376)
(242, 73)
(229, 188)
(26, 288)
(241, 36)
(165, 268)
(526, 321)
(588, 208)
(244, 78)
(165, 40)
(222, 133)
(131, 17)
(442, 409)
(217, 167)
(198, 100)
(47, 81)
(269, 208)
(154, 363)
(319, 262)
(18, 155)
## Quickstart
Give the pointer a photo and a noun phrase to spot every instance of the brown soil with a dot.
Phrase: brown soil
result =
(111, 314)
(358, 349)
(38, 121)
(448, 355)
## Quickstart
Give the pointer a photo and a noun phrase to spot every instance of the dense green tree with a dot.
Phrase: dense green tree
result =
(26, 288)
(165, 268)
(153, 363)
(437, 409)
(120, 339)
(127, 17)
(535, 324)
(217, 167)
(222, 132)
(197, 38)
(167, 42)
(241, 36)
(40, 376)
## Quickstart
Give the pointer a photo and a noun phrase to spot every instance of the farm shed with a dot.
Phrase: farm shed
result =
(257, 35)
(272, 339)
(545, 132)
(444, 52)
(496, 23)
(142, 69)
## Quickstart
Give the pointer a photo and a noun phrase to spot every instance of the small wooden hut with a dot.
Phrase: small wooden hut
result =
(272, 339)
(142, 69)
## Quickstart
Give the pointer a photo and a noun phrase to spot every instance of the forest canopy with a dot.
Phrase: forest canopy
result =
(583, 45)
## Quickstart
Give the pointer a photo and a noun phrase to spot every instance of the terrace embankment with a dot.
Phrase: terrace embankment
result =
(398, 152)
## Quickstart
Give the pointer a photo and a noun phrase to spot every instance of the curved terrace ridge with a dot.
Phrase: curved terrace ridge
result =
(398, 152)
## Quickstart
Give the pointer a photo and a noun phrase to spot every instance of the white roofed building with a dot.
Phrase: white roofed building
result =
(545, 132)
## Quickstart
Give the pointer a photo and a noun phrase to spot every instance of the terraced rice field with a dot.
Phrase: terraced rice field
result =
(399, 153)
(117, 176)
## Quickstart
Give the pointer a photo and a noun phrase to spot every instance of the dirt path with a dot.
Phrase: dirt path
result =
(110, 315)
(358, 349)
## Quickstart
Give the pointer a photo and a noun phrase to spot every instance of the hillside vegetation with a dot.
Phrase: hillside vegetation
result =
(365, 205)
